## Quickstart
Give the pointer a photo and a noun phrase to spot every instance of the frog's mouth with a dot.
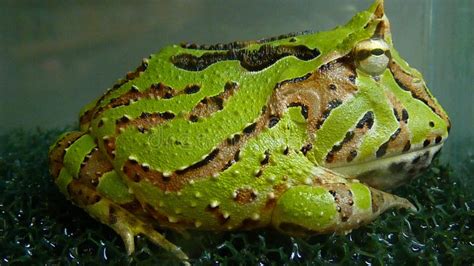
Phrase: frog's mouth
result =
(392, 171)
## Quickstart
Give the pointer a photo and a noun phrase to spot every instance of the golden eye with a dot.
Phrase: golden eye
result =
(372, 56)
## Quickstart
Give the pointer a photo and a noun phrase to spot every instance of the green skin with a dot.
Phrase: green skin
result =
(305, 204)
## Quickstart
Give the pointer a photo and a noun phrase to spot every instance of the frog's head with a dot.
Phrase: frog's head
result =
(377, 120)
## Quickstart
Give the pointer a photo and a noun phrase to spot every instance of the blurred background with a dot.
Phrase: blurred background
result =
(56, 56)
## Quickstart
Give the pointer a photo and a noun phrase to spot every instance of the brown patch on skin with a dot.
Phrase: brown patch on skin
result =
(210, 105)
(417, 90)
(163, 221)
(93, 167)
(346, 151)
(156, 91)
(313, 91)
(343, 199)
(109, 146)
(81, 194)
(218, 214)
(397, 143)
(56, 156)
(251, 60)
(248, 224)
(245, 195)
(144, 122)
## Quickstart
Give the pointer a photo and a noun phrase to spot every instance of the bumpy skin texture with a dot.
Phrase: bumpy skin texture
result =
(243, 135)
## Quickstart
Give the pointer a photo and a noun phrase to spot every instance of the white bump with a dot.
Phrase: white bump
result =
(308, 181)
(256, 171)
(271, 179)
(122, 129)
(271, 195)
(255, 216)
(236, 172)
(234, 194)
(166, 174)
(229, 227)
(214, 203)
(321, 213)
(226, 215)
(172, 219)
(197, 194)
(179, 193)
(215, 175)
(197, 224)
(132, 158)
(191, 182)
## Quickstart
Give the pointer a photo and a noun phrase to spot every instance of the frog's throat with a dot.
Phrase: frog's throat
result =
(392, 171)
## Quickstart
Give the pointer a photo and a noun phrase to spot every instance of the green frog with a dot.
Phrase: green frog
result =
(302, 132)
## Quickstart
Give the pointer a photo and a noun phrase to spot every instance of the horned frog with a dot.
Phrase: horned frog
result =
(300, 132)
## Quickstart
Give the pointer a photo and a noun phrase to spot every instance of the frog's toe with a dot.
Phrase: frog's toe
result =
(124, 223)
(341, 207)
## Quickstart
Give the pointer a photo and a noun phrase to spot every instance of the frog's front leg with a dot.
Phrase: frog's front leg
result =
(88, 179)
(331, 207)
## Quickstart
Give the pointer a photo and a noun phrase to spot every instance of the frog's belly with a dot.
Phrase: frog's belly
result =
(391, 172)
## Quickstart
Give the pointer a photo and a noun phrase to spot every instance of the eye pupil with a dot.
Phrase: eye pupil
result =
(377, 51)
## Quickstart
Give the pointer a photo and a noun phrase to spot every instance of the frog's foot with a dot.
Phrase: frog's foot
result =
(124, 223)
(326, 208)
(87, 178)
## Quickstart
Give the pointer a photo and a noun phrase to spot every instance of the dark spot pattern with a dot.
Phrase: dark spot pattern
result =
(257, 60)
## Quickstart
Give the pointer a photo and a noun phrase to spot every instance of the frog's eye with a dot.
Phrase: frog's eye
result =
(372, 56)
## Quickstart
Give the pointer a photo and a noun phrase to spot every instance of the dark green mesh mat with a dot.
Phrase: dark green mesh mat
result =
(38, 226)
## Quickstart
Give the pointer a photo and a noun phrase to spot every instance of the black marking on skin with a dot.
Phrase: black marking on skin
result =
(112, 215)
(331, 105)
(294, 80)
(396, 167)
(338, 147)
(368, 120)
(351, 156)
(416, 160)
(438, 139)
(192, 89)
(266, 159)
(395, 113)
(264, 57)
(273, 121)
(426, 142)
(193, 118)
(432, 124)
(352, 79)
(383, 148)
(101, 123)
(211, 156)
(250, 128)
(332, 87)
(304, 108)
(123, 119)
(241, 45)
(234, 139)
(405, 116)
(306, 148)
(231, 162)
(286, 151)
(407, 146)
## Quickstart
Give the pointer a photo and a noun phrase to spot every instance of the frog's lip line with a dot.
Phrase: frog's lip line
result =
(394, 158)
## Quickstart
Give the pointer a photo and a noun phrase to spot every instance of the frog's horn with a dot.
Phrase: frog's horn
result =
(378, 16)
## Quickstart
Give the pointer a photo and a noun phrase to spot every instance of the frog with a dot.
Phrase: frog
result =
(306, 133)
